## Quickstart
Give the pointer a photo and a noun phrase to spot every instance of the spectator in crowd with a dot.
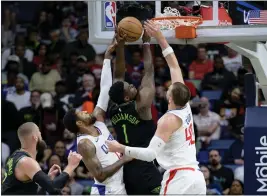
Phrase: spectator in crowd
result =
(135, 67)
(40, 55)
(74, 79)
(160, 100)
(54, 159)
(81, 46)
(207, 122)
(31, 113)
(32, 40)
(51, 117)
(68, 34)
(162, 73)
(70, 141)
(60, 151)
(21, 97)
(17, 49)
(218, 79)
(45, 79)
(222, 174)
(237, 188)
(9, 87)
(8, 27)
(233, 61)
(85, 93)
(201, 65)
(231, 107)
(62, 98)
(236, 151)
(56, 45)
(212, 188)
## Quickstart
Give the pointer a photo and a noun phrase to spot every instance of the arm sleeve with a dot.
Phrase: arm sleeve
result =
(52, 187)
(105, 84)
(146, 154)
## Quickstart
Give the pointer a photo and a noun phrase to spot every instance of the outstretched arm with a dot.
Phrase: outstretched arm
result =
(32, 169)
(166, 126)
(119, 67)
(87, 149)
(105, 84)
(154, 31)
(147, 90)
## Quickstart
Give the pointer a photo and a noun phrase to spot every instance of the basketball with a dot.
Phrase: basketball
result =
(131, 27)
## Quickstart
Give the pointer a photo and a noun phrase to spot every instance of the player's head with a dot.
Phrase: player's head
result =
(122, 92)
(29, 134)
(214, 157)
(78, 121)
(178, 94)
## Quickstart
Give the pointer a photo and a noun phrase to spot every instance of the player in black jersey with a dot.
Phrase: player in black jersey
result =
(23, 173)
(130, 114)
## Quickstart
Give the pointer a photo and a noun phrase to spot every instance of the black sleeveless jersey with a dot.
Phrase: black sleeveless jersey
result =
(10, 184)
(130, 129)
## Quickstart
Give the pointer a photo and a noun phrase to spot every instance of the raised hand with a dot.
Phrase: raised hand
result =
(111, 48)
(152, 29)
(146, 37)
(74, 159)
(114, 146)
(54, 171)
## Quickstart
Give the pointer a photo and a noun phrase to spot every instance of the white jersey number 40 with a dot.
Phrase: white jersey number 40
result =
(190, 135)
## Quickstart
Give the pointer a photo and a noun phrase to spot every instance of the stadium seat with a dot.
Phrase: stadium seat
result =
(232, 167)
(203, 157)
(212, 95)
(220, 144)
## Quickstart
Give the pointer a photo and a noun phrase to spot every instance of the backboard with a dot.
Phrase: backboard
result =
(242, 32)
(215, 28)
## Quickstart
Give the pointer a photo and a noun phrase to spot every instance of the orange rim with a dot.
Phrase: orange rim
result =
(196, 19)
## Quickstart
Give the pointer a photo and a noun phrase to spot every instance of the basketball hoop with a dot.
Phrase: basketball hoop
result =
(184, 26)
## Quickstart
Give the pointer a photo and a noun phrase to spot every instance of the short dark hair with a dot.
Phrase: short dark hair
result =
(69, 121)
(180, 94)
(116, 92)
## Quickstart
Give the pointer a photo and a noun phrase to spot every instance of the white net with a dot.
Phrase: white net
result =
(171, 24)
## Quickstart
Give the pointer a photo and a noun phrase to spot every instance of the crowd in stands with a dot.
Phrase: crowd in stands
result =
(48, 67)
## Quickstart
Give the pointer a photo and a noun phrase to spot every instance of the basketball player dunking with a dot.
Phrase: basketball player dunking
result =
(23, 173)
(92, 133)
(173, 144)
(130, 114)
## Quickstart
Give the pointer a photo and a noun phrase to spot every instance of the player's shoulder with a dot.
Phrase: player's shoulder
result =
(171, 120)
(26, 162)
(85, 145)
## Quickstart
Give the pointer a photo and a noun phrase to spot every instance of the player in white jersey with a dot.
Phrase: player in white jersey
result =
(92, 133)
(173, 144)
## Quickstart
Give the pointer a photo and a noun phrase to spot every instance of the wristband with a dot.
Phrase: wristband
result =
(167, 51)
(146, 43)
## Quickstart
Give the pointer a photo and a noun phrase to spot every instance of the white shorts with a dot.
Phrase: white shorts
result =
(183, 181)
(99, 189)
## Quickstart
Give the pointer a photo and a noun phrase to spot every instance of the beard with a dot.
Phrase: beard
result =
(41, 146)
(214, 162)
(92, 120)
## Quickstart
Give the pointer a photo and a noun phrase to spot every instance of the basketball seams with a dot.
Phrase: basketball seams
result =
(131, 27)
